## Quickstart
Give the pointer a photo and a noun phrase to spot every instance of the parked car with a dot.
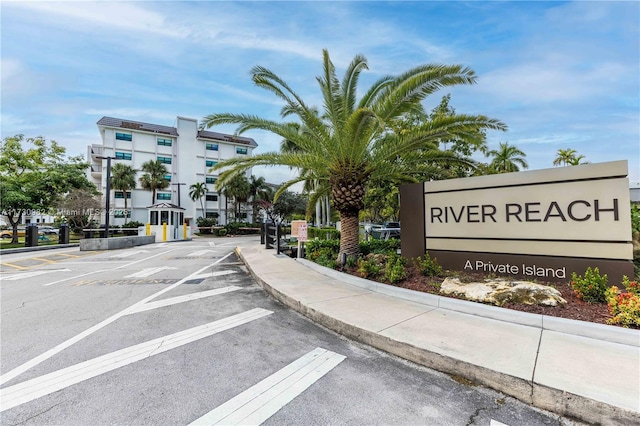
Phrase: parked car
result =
(8, 233)
(48, 230)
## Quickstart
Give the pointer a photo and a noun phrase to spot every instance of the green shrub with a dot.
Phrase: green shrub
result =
(394, 271)
(372, 265)
(427, 266)
(326, 233)
(592, 287)
(222, 232)
(390, 246)
(323, 252)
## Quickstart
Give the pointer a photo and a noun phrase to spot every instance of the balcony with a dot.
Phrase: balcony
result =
(96, 151)
(96, 171)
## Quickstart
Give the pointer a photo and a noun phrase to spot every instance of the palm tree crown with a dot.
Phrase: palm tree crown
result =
(507, 158)
(351, 143)
(123, 178)
(567, 157)
(154, 177)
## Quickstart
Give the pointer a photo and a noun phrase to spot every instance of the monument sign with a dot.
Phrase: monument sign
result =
(541, 224)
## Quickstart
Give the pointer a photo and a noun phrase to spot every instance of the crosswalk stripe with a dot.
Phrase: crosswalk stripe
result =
(261, 401)
(44, 385)
(181, 299)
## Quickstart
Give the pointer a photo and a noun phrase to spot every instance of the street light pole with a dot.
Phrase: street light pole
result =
(179, 185)
(108, 197)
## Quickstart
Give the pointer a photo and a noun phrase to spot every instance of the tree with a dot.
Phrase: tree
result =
(258, 190)
(35, 176)
(351, 142)
(507, 158)
(197, 191)
(123, 178)
(288, 204)
(567, 157)
(79, 207)
(154, 177)
(237, 188)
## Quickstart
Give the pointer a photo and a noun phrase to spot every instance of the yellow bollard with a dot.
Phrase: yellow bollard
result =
(148, 229)
(164, 231)
(184, 232)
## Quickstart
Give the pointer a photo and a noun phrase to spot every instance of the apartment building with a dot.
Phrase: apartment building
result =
(187, 153)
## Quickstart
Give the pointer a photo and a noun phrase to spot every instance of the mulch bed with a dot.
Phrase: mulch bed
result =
(574, 308)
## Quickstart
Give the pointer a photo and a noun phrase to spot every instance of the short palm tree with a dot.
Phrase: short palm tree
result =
(123, 178)
(507, 158)
(567, 157)
(197, 191)
(350, 143)
(237, 188)
(258, 190)
(154, 177)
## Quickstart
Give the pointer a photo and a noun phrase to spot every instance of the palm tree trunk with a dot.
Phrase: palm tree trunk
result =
(349, 235)
(318, 213)
(125, 207)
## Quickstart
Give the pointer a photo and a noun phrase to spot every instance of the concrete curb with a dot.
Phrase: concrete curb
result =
(527, 390)
(603, 332)
(37, 248)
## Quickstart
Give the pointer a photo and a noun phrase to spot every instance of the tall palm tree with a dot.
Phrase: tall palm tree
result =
(237, 188)
(154, 177)
(567, 157)
(123, 178)
(258, 190)
(197, 191)
(507, 158)
(350, 143)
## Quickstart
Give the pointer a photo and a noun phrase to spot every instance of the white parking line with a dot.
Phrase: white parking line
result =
(215, 274)
(44, 385)
(128, 253)
(73, 278)
(258, 403)
(200, 253)
(148, 271)
(180, 299)
(64, 345)
(31, 274)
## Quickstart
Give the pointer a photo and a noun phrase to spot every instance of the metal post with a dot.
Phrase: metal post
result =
(179, 185)
(106, 209)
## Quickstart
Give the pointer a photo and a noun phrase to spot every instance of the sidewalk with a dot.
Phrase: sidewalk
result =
(573, 368)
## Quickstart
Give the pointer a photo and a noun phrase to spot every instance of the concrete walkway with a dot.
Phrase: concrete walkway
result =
(587, 371)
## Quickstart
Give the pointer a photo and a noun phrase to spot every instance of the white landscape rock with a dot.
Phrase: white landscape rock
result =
(500, 291)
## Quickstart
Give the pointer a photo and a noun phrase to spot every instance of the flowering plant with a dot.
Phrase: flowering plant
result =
(624, 307)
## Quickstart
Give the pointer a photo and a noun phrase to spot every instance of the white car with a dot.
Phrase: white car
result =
(45, 229)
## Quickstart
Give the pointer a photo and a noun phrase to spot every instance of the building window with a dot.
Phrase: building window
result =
(168, 177)
(212, 146)
(164, 160)
(211, 163)
(120, 194)
(210, 179)
(242, 215)
(242, 151)
(164, 142)
(124, 136)
(212, 215)
(123, 155)
(212, 197)
(122, 213)
(163, 196)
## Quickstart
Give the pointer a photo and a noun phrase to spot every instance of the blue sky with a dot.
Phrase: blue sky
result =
(559, 74)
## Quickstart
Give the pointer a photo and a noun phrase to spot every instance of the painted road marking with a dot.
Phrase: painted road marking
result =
(200, 253)
(31, 274)
(261, 401)
(148, 271)
(64, 345)
(215, 274)
(72, 278)
(42, 259)
(127, 254)
(496, 423)
(145, 259)
(212, 244)
(11, 265)
(181, 299)
(44, 385)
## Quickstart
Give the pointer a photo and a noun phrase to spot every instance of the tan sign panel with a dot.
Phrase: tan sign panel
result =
(579, 212)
